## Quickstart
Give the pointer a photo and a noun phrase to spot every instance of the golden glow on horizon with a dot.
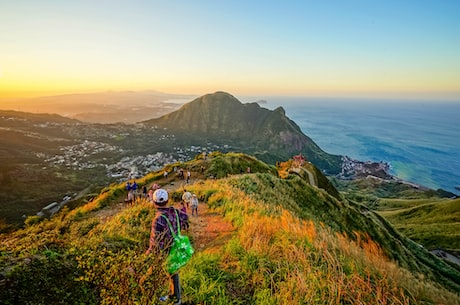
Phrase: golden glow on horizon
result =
(78, 47)
(19, 80)
(31, 86)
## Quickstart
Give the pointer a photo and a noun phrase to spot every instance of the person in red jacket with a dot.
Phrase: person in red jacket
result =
(161, 237)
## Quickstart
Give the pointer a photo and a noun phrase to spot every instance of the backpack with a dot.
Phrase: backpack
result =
(181, 249)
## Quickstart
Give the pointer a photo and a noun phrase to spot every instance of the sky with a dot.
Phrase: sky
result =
(336, 48)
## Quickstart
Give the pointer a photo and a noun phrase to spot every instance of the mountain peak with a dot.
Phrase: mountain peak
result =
(280, 110)
(249, 128)
(218, 97)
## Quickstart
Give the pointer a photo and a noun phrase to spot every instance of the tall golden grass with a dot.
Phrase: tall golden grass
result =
(299, 262)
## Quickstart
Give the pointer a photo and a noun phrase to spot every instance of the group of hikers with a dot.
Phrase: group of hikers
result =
(186, 175)
(133, 194)
(191, 200)
(180, 173)
(188, 199)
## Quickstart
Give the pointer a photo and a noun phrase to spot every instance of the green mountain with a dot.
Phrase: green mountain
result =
(221, 118)
(277, 235)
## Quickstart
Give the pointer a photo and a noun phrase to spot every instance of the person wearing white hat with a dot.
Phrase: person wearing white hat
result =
(161, 237)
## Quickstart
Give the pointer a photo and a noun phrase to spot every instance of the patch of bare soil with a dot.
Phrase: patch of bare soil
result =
(209, 229)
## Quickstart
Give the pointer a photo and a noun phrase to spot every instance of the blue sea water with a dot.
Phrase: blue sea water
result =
(420, 140)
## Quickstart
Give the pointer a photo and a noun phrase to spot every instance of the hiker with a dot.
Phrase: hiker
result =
(161, 237)
(150, 195)
(194, 204)
(134, 189)
(186, 197)
(129, 198)
(129, 195)
(144, 191)
(188, 177)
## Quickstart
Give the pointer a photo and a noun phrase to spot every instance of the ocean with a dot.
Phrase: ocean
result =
(420, 140)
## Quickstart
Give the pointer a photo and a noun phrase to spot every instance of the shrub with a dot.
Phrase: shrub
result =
(126, 277)
(45, 279)
(32, 220)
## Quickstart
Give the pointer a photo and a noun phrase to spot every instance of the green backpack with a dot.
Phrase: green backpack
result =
(181, 250)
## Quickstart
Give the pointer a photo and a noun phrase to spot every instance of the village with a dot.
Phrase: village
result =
(88, 155)
(352, 169)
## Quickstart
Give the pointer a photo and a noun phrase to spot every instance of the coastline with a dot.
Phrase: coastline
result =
(415, 138)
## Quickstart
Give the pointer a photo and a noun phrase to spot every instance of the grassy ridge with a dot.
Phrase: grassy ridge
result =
(431, 222)
(430, 218)
(293, 244)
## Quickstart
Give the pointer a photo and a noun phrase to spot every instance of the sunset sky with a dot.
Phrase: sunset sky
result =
(399, 49)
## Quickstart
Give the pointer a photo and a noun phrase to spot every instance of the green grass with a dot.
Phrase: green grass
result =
(386, 204)
(433, 223)
(293, 244)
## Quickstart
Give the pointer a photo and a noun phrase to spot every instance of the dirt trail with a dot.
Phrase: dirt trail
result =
(208, 231)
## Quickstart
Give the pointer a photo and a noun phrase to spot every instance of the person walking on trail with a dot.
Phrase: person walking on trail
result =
(129, 198)
(161, 238)
(186, 197)
(134, 189)
(194, 204)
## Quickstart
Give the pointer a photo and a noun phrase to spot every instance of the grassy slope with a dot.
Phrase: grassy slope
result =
(287, 249)
(420, 214)
(431, 222)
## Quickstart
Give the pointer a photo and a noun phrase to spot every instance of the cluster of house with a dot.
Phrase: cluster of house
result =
(131, 167)
(354, 168)
(85, 155)
(78, 156)
(137, 166)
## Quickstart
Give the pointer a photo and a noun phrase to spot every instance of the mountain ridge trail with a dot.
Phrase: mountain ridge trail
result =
(208, 231)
